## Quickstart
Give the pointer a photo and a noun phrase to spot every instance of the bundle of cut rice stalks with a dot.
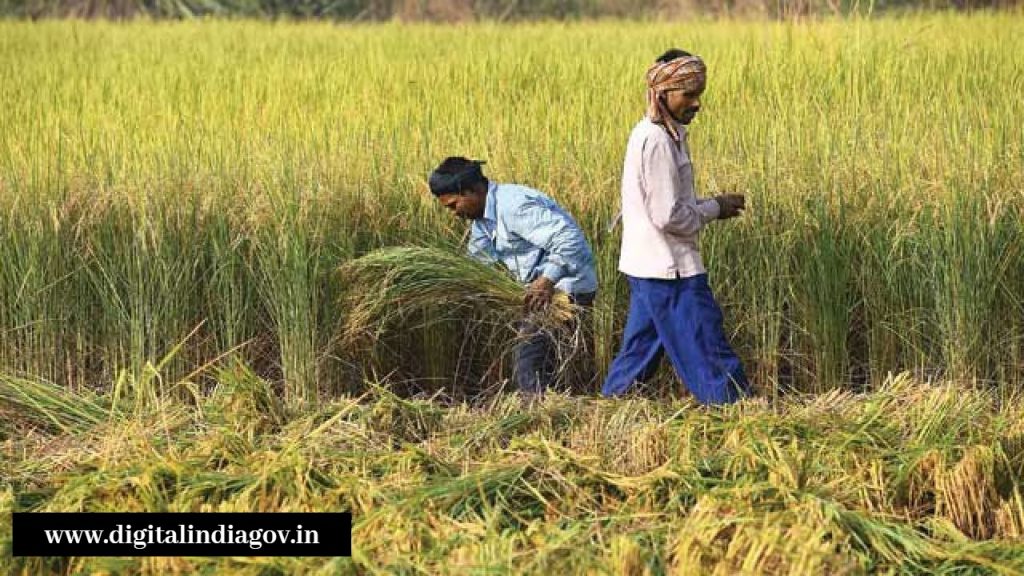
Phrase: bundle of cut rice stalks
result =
(392, 288)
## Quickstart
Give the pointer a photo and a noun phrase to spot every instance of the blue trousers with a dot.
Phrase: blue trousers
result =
(681, 318)
(535, 355)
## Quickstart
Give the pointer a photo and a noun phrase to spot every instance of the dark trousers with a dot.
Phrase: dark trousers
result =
(681, 318)
(537, 353)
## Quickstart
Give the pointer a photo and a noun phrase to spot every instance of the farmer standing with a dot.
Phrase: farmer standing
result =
(671, 306)
(537, 240)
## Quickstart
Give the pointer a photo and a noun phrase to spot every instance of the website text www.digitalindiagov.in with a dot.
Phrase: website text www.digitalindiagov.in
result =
(140, 538)
(182, 534)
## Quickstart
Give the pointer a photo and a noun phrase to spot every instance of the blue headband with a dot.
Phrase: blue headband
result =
(442, 183)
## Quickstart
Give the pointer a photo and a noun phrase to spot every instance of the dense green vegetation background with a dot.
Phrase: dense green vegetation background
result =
(165, 179)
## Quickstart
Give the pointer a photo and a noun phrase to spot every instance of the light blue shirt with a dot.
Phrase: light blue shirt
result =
(533, 236)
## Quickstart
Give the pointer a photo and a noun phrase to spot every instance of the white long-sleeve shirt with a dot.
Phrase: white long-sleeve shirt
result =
(661, 214)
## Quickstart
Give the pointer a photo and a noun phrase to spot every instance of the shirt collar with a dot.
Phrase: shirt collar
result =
(490, 205)
(680, 127)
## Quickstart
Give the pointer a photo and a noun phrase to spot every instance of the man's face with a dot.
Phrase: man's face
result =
(683, 105)
(468, 205)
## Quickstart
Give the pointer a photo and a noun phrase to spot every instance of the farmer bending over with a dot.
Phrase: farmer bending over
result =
(671, 308)
(535, 239)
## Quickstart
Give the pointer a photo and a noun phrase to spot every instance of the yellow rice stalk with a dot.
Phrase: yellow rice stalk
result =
(1010, 518)
(718, 539)
(627, 558)
(921, 481)
(966, 494)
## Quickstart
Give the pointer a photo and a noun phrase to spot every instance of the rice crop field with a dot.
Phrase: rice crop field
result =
(191, 319)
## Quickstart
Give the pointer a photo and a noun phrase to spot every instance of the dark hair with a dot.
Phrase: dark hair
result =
(455, 164)
(456, 175)
(672, 54)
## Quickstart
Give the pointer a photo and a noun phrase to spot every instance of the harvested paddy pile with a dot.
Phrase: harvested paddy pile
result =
(911, 478)
(390, 286)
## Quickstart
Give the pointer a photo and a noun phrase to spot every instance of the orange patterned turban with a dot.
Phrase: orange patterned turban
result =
(684, 73)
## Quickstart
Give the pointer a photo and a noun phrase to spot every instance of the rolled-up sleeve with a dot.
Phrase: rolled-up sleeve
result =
(672, 207)
(565, 248)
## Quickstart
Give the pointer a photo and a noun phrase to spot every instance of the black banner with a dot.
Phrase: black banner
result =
(182, 534)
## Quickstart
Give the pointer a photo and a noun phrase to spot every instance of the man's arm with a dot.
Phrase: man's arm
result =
(671, 207)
